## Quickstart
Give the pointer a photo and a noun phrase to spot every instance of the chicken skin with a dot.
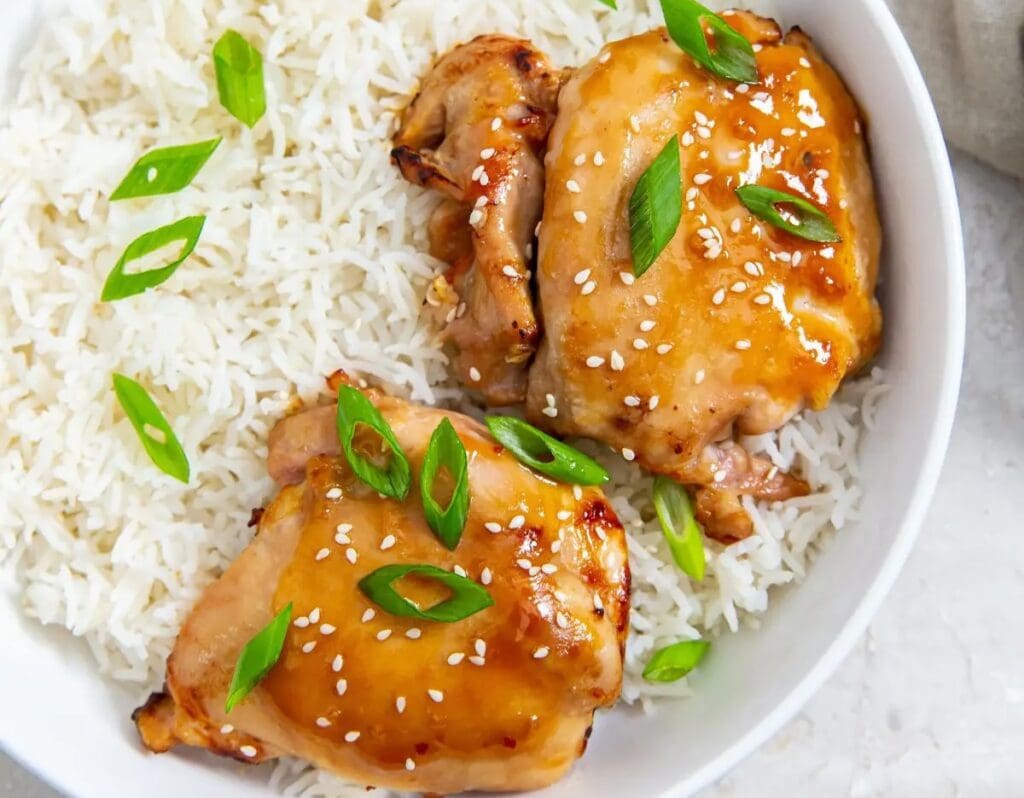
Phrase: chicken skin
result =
(476, 132)
(501, 700)
(738, 325)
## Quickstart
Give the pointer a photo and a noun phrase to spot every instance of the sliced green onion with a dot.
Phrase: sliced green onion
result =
(355, 409)
(446, 451)
(467, 597)
(545, 454)
(258, 657)
(165, 170)
(609, 3)
(681, 530)
(239, 68)
(655, 208)
(120, 285)
(732, 57)
(673, 662)
(158, 439)
(800, 218)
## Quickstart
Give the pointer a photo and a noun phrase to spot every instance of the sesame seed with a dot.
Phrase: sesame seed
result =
(687, 138)
(496, 124)
(691, 193)
(703, 132)
(788, 131)
(459, 570)
(314, 616)
(652, 403)
(351, 555)
(580, 159)
(333, 494)
(598, 158)
(628, 455)
(632, 401)
(719, 476)
(227, 728)
(561, 620)
(595, 362)
(560, 595)
(738, 287)
(577, 492)
(735, 225)
(480, 646)
(436, 696)
(477, 173)
(550, 399)
(640, 343)
(487, 153)
(368, 615)
(480, 201)
(247, 750)
(556, 546)
(476, 217)
(323, 554)
(797, 257)
(580, 216)
(651, 300)
(743, 344)
(753, 269)
(605, 56)
(762, 299)
(338, 663)
(478, 661)
(524, 563)
(598, 604)
(343, 529)
(804, 63)
(388, 542)
(548, 568)
(541, 652)
(516, 522)
(409, 764)
(718, 297)
(664, 349)
(564, 515)
(743, 88)
(341, 686)
(627, 278)
(572, 186)
(485, 576)
(534, 571)
(647, 325)
(601, 535)
(588, 288)
(328, 629)
(400, 704)
(509, 271)
(702, 179)
(383, 634)
(351, 737)
(456, 658)
(698, 378)
(617, 361)
(301, 622)
(550, 412)
(307, 648)
(413, 633)
(492, 527)
(581, 276)
(700, 117)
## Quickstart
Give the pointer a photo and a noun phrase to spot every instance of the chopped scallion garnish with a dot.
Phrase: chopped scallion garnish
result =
(729, 55)
(467, 597)
(165, 170)
(609, 3)
(158, 439)
(239, 68)
(355, 410)
(655, 208)
(446, 452)
(796, 215)
(120, 285)
(545, 454)
(258, 657)
(673, 662)
(681, 530)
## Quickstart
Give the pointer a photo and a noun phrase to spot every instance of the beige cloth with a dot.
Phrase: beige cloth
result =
(972, 55)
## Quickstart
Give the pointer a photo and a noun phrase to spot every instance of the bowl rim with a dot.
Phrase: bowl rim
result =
(62, 778)
(933, 458)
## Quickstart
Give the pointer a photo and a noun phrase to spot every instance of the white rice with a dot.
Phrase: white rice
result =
(312, 259)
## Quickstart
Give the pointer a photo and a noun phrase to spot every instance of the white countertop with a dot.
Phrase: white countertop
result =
(931, 702)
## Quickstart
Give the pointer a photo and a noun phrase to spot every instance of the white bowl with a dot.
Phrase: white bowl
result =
(61, 720)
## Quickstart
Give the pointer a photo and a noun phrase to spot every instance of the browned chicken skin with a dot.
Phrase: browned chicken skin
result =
(738, 325)
(515, 685)
(476, 132)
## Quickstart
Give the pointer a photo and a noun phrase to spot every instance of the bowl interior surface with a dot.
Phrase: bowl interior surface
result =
(72, 728)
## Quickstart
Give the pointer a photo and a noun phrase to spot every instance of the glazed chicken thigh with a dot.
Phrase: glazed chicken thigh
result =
(476, 132)
(502, 700)
(738, 325)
